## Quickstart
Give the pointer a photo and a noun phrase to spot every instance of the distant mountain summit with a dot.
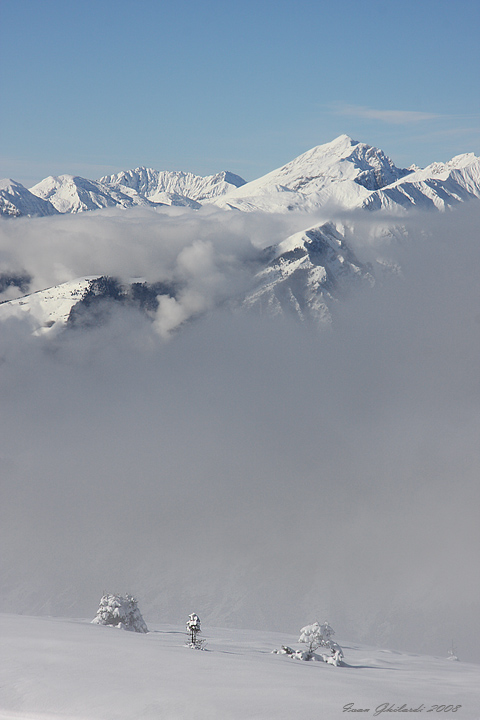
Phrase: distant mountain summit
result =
(347, 174)
(153, 184)
(73, 194)
(17, 201)
(438, 186)
(342, 174)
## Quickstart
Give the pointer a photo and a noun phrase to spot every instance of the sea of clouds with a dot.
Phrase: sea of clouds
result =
(250, 469)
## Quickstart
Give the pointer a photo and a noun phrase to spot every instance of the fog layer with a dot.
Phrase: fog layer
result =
(251, 470)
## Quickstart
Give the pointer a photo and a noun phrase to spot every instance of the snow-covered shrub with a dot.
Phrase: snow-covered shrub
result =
(315, 636)
(452, 653)
(121, 612)
(193, 631)
(297, 654)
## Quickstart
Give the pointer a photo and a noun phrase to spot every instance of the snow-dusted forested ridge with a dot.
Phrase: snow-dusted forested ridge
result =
(344, 173)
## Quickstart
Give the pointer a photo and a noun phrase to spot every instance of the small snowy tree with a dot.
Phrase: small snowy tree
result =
(316, 636)
(193, 631)
(121, 612)
(452, 653)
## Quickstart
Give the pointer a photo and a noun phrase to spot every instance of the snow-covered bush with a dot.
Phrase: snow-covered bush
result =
(121, 612)
(193, 631)
(315, 636)
(452, 653)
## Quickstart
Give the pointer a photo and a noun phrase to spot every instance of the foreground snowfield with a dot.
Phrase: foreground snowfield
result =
(52, 668)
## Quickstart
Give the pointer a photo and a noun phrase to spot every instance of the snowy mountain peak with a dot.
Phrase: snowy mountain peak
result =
(153, 184)
(9, 184)
(463, 160)
(342, 172)
(16, 200)
(350, 159)
(73, 194)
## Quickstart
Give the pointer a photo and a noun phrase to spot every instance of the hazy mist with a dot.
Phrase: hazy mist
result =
(252, 470)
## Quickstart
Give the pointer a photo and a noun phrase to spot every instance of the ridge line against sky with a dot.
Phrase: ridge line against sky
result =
(101, 87)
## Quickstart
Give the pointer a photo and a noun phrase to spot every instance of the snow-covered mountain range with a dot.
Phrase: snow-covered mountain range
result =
(305, 274)
(343, 173)
(348, 174)
(142, 186)
(17, 201)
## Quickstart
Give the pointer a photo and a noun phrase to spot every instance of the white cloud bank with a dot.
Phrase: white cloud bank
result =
(250, 469)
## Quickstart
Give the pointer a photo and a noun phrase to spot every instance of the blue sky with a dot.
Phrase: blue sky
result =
(100, 85)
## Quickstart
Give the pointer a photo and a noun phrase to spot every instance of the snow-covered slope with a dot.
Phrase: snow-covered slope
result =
(347, 174)
(152, 184)
(79, 302)
(73, 194)
(47, 310)
(17, 201)
(306, 274)
(343, 172)
(439, 186)
(53, 668)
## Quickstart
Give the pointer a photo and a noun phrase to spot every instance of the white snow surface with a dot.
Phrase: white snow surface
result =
(152, 184)
(16, 200)
(347, 174)
(341, 174)
(59, 669)
(47, 310)
(142, 186)
(73, 194)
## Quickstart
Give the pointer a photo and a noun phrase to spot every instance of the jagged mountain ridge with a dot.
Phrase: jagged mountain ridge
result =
(143, 186)
(139, 187)
(17, 201)
(344, 174)
(438, 186)
(73, 194)
(306, 274)
(152, 184)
